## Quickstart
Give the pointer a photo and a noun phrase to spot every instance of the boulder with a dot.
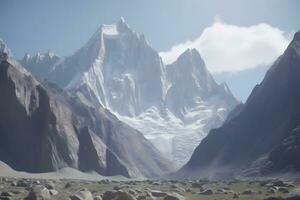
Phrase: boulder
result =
(236, 196)
(124, 196)
(248, 192)
(23, 183)
(7, 194)
(38, 192)
(207, 192)
(283, 190)
(98, 198)
(293, 195)
(273, 198)
(50, 185)
(108, 195)
(157, 193)
(53, 192)
(279, 183)
(174, 196)
(83, 194)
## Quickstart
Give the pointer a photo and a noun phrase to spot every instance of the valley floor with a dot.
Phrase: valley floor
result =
(26, 188)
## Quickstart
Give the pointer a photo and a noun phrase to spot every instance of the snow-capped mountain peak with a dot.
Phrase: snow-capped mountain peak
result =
(4, 48)
(122, 25)
(174, 106)
(191, 82)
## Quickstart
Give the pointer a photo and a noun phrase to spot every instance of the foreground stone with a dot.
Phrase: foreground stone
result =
(117, 195)
(38, 192)
(174, 196)
(157, 193)
(82, 194)
(207, 192)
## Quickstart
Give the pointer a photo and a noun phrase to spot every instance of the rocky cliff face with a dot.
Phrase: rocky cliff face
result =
(30, 135)
(283, 158)
(260, 126)
(43, 128)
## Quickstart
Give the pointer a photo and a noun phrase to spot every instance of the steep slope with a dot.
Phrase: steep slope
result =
(270, 114)
(43, 128)
(28, 125)
(284, 158)
(117, 69)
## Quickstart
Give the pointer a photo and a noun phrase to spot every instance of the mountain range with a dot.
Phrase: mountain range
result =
(113, 107)
(44, 128)
(173, 105)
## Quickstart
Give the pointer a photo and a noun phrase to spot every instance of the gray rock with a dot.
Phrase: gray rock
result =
(157, 193)
(5, 198)
(279, 183)
(283, 190)
(83, 194)
(124, 196)
(248, 192)
(7, 194)
(120, 187)
(207, 192)
(293, 195)
(272, 191)
(38, 192)
(108, 195)
(68, 185)
(98, 198)
(142, 197)
(273, 198)
(53, 192)
(22, 183)
(50, 185)
(188, 190)
(13, 183)
(236, 196)
(174, 196)
(132, 192)
(36, 182)
(197, 185)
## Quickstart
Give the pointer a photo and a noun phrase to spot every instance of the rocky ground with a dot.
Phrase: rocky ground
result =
(31, 189)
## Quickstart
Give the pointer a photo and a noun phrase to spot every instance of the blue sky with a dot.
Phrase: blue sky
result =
(63, 26)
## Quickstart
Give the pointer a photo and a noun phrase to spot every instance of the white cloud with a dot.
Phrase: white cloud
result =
(226, 47)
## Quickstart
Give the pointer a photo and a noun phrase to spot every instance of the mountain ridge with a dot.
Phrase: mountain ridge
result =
(258, 127)
(57, 129)
(119, 70)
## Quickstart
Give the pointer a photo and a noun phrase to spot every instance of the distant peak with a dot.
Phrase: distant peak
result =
(39, 56)
(190, 54)
(113, 29)
(122, 25)
(26, 57)
(187, 52)
(295, 44)
(195, 51)
(4, 48)
(121, 20)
